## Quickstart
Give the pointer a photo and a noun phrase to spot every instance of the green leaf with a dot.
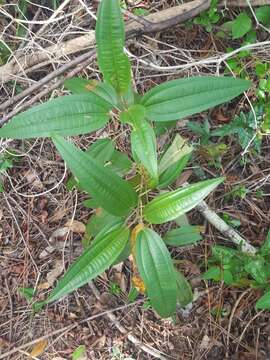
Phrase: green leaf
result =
(110, 38)
(120, 163)
(162, 127)
(223, 253)
(241, 25)
(157, 271)
(90, 204)
(101, 150)
(185, 235)
(184, 291)
(99, 220)
(175, 152)
(170, 205)
(27, 292)
(82, 86)
(91, 263)
(213, 273)
(134, 115)
(68, 115)
(124, 254)
(256, 267)
(113, 194)
(173, 172)
(144, 148)
(177, 99)
(264, 302)
(263, 15)
(80, 353)
(265, 248)
(182, 220)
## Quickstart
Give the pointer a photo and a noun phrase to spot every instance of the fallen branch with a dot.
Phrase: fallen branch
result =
(156, 22)
(81, 63)
(242, 3)
(224, 228)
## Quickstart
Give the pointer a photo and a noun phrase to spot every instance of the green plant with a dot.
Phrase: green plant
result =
(240, 269)
(133, 203)
(6, 162)
(209, 17)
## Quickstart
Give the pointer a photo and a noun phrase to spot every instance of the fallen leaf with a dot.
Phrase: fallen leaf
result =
(205, 342)
(59, 233)
(100, 342)
(33, 179)
(39, 348)
(55, 272)
(219, 116)
(44, 286)
(58, 215)
(75, 226)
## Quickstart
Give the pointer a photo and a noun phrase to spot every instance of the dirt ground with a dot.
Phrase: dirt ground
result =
(34, 244)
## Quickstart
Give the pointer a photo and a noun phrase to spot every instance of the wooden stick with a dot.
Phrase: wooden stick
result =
(157, 22)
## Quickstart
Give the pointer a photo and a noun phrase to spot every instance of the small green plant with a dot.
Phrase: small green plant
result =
(240, 269)
(80, 353)
(128, 202)
(209, 17)
(6, 162)
(245, 128)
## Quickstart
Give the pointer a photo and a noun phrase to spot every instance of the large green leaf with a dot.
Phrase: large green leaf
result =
(99, 220)
(83, 86)
(68, 115)
(157, 271)
(143, 142)
(185, 235)
(177, 99)
(101, 150)
(176, 151)
(113, 194)
(170, 205)
(91, 263)
(110, 38)
(143, 145)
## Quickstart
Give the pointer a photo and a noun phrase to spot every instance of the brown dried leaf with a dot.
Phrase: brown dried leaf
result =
(39, 348)
(59, 233)
(55, 272)
(76, 226)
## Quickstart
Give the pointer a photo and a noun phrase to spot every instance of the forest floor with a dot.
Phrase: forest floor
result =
(35, 206)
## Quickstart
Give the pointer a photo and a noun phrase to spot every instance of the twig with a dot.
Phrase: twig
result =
(224, 228)
(136, 342)
(63, 330)
(83, 60)
(242, 3)
(156, 22)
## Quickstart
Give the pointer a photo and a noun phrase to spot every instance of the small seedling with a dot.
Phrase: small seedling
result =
(128, 203)
(240, 269)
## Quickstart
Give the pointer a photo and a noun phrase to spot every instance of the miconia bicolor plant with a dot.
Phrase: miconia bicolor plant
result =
(129, 204)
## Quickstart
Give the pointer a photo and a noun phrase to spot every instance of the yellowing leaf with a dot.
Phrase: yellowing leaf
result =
(133, 237)
(138, 283)
(39, 348)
